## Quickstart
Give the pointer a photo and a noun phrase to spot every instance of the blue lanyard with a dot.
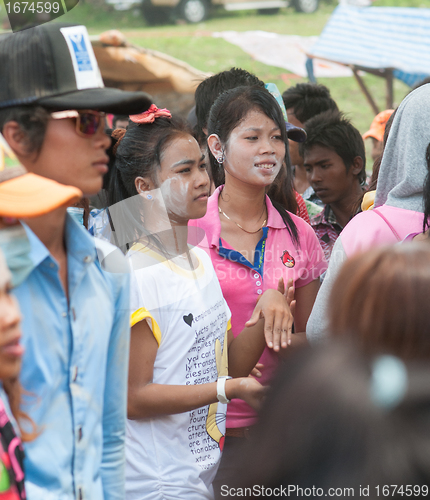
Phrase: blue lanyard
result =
(235, 256)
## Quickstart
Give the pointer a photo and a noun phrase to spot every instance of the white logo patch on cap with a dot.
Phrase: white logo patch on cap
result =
(87, 72)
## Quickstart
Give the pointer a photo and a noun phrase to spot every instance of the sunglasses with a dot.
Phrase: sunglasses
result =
(87, 122)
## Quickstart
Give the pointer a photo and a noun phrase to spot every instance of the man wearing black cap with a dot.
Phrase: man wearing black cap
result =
(76, 317)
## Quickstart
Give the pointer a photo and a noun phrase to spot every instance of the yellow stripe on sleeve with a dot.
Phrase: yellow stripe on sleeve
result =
(142, 314)
(229, 325)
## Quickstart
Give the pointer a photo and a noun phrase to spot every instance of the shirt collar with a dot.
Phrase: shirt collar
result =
(325, 217)
(274, 219)
(79, 243)
(329, 215)
(38, 251)
(214, 224)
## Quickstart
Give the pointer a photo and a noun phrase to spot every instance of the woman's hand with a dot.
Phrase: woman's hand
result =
(288, 292)
(256, 371)
(276, 309)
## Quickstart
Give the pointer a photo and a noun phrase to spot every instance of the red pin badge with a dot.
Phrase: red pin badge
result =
(287, 259)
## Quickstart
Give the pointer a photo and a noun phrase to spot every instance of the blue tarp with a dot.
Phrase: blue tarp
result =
(378, 38)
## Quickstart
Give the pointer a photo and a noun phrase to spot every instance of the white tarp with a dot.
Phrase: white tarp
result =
(283, 51)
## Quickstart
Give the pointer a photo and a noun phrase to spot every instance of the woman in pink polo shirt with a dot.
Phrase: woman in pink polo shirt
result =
(253, 242)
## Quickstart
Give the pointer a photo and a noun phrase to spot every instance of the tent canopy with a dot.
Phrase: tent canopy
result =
(385, 41)
(171, 82)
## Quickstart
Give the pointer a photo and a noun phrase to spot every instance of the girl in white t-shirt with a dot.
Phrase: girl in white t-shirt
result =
(178, 384)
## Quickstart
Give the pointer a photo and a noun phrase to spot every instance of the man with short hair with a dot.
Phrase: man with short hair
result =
(120, 121)
(302, 102)
(335, 162)
(76, 317)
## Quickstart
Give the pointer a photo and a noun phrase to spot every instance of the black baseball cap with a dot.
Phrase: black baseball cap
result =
(294, 133)
(54, 66)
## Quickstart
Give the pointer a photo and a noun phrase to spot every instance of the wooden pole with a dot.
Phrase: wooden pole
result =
(390, 92)
(365, 90)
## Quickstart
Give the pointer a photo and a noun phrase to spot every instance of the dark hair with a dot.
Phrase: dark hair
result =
(14, 391)
(308, 100)
(323, 426)
(364, 302)
(138, 154)
(118, 117)
(209, 89)
(332, 130)
(426, 193)
(228, 111)
(32, 120)
(422, 82)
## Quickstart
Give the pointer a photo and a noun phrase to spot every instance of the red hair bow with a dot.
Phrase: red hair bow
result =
(150, 115)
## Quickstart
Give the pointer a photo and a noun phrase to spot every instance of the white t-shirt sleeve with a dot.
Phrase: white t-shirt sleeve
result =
(139, 305)
(317, 328)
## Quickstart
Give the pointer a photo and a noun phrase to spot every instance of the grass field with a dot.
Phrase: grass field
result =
(195, 45)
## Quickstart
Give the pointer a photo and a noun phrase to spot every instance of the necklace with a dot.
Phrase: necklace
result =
(238, 225)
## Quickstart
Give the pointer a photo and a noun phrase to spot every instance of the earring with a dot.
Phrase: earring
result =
(149, 196)
(220, 160)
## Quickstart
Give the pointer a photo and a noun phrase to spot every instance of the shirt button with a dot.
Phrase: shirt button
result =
(256, 275)
(64, 314)
(258, 283)
(87, 259)
(259, 291)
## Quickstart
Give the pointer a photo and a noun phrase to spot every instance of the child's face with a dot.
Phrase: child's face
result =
(183, 180)
(10, 333)
(255, 150)
(71, 159)
(327, 175)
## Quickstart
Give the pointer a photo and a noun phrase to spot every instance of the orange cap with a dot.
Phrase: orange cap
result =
(377, 127)
(23, 194)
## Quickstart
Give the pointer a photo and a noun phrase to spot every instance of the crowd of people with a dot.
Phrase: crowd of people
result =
(221, 306)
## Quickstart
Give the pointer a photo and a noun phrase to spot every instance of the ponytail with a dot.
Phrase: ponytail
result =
(281, 194)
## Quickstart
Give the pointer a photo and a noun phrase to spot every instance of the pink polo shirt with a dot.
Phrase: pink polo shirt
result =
(368, 229)
(242, 282)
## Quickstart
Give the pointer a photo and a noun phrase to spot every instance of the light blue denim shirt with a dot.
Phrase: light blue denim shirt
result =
(75, 370)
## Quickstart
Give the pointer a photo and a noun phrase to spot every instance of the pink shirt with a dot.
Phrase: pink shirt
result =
(368, 229)
(242, 284)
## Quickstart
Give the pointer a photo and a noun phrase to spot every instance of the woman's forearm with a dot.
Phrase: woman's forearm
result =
(154, 400)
